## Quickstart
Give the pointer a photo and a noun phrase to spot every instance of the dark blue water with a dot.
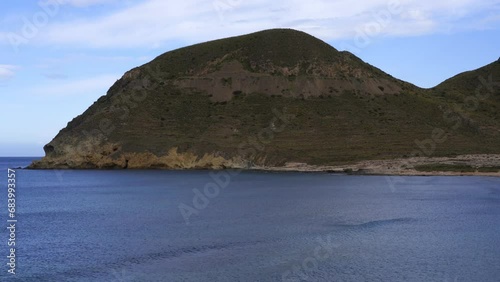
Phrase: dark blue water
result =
(19, 162)
(127, 226)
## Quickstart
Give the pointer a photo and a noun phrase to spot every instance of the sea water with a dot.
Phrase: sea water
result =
(139, 225)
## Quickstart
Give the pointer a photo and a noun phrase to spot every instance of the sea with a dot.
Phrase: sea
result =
(157, 225)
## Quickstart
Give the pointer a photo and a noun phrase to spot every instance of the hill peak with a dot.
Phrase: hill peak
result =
(277, 47)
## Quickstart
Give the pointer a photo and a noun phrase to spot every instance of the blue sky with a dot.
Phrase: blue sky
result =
(58, 56)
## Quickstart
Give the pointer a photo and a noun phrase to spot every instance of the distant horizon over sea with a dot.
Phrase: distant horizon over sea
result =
(16, 162)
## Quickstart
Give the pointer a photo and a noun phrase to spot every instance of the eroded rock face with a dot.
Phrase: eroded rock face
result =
(172, 160)
(232, 79)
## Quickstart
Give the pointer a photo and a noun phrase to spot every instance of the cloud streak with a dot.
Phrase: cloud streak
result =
(79, 87)
(155, 22)
(55, 76)
(85, 3)
(7, 72)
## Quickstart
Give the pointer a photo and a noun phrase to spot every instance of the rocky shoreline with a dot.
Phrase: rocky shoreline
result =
(405, 167)
(477, 165)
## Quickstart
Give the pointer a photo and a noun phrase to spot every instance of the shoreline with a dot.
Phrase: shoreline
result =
(471, 165)
(406, 166)
(285, 170)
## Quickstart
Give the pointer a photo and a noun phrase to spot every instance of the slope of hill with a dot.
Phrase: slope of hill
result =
(475, 97)
(271, 98)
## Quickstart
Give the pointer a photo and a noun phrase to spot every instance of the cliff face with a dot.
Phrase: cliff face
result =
(264, 99)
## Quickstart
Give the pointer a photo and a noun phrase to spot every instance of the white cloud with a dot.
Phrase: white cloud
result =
(85, 3)
(7, 72)
(55, 76)
(78, 57)
(154, 22)
(94, 86)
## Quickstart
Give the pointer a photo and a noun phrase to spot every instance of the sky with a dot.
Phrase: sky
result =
(59, 56)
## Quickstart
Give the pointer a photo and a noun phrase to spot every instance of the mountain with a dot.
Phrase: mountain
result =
(270, 99)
